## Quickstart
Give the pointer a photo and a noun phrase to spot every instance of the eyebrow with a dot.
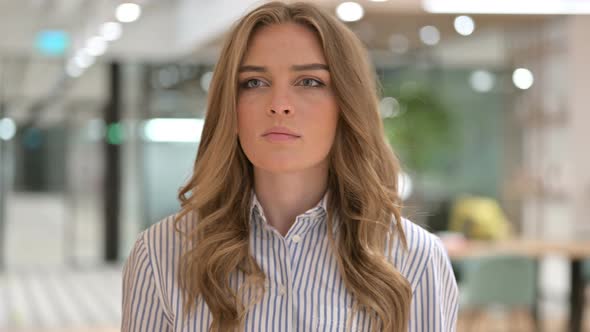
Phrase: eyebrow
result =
(310, 66)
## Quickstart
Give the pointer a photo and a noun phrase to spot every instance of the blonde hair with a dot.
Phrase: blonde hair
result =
(362, 182)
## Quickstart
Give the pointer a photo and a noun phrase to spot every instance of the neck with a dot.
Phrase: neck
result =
(284, 196)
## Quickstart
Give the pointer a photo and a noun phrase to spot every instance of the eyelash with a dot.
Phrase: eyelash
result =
(244, 84)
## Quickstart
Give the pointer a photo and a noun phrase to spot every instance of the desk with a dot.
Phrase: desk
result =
(575, 251)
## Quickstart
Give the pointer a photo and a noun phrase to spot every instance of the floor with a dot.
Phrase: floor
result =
(54, 300)
(88, 300)
(518, 321)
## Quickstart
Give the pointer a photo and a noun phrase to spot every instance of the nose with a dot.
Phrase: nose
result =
(280, 104)
(285, 111)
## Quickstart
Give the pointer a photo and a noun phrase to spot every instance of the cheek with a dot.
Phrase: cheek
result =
(249, 122)
(321, 133)
(247, 116)
(323, 124)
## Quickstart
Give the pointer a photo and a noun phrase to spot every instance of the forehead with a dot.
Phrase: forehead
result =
(288, 43)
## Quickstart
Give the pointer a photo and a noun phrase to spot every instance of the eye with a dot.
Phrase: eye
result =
(311, 82)
(252, 83)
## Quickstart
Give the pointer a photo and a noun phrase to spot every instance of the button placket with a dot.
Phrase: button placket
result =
(285, 289)
(282, 290)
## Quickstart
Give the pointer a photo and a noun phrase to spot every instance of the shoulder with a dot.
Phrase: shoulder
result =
(427, 267)
(158, 248)
(161, 243)
(163, 239)
(425, 250)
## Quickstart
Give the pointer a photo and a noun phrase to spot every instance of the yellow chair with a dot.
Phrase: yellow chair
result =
(479, 218)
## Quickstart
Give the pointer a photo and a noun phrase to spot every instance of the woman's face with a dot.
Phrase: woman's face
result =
(287, 112)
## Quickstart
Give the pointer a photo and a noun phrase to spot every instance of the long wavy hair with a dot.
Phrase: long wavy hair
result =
(362, 181)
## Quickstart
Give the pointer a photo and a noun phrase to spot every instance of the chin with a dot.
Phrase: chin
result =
(290, 165)
(279, 167)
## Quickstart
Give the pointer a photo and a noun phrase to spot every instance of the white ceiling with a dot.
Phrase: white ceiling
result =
(172, 30)
(167, 30)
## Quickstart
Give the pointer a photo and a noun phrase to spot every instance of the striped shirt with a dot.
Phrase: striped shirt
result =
(304, 290)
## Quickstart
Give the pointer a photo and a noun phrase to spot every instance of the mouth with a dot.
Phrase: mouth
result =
(280, 137)
(280, 134)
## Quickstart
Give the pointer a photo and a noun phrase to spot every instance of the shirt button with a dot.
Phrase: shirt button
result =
(296, 238)
(282, 290)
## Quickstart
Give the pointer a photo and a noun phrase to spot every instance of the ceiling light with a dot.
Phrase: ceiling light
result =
(111, 31)
(128, 12)
(464, 25)
(173, 130)
(83, 59)
(73, 70)
(523, 78)
(551, 7)
(429, 35)
(7, 129)
(96, 46)
(481, 80)
(350, 11)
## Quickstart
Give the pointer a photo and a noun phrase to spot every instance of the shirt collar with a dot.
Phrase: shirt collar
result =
(319, 209)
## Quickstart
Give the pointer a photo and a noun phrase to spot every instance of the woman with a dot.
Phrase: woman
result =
(291, 219)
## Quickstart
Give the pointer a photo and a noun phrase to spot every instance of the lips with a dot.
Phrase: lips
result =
(280, 134)
(280, 131)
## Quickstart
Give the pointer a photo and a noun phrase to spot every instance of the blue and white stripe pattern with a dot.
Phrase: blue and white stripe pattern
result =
(304, 289)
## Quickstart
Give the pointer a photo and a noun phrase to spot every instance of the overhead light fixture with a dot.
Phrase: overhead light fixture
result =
(350, 11)
(481, 81)
(173, 130)
(96, 46)
(111, 31)
(73, 70)
(532, 7)
(128, 12)
(83, 59)
(7, 129)
(523, 78)
(464, 25)
(429, 35)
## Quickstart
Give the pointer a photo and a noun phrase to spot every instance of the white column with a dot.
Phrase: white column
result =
(578, 73)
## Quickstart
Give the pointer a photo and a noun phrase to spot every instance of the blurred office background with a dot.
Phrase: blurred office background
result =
(485, 101)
